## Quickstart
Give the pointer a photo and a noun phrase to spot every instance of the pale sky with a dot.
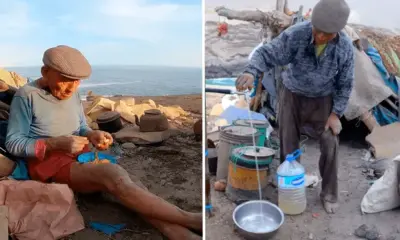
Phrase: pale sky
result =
(379, 13)
(127, 32)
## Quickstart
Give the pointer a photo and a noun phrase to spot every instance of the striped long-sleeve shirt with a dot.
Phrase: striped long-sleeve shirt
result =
(332, 73)
(35, 115)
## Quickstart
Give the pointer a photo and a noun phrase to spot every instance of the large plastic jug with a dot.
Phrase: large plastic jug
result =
(291, 185)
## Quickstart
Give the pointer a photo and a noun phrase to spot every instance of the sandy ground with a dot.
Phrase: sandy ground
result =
(172, 171)
(314, 223)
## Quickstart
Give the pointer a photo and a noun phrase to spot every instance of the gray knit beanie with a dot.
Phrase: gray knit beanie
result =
(330, 16)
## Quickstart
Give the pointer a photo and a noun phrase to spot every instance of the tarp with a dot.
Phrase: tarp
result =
(387, 44)
(369, 88)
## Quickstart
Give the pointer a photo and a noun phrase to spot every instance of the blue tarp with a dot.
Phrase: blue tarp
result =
(383, 115)
(376, 58)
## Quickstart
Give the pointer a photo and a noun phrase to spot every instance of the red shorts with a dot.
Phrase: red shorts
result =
(55, 167)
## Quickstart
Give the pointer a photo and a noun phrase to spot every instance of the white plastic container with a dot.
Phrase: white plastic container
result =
(291, 185)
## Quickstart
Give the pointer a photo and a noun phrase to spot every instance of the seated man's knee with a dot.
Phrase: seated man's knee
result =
(115, 178)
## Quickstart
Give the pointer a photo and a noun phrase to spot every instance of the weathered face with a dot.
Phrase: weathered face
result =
(60, 87)
(322, 37)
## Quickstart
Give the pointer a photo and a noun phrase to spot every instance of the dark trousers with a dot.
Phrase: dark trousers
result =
(296, 111)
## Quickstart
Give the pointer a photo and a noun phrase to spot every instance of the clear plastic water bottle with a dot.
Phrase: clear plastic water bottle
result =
(291, 185)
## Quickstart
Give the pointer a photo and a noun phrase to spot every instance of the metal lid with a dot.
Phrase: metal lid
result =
(240, 130)
(259, 152)
(246, 156)
(248, 122)
(108, 116)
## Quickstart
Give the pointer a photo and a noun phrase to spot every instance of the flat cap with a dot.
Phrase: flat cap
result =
(69, 61)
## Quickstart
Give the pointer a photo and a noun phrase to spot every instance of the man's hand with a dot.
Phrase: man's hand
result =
(3, 86)
(68, 144)
(244, 81)
(334, 124)
(100, 139)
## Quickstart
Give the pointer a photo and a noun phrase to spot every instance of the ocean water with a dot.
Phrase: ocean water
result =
(134, 80)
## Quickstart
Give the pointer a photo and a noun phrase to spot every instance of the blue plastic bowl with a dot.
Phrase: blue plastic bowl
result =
(89, 157)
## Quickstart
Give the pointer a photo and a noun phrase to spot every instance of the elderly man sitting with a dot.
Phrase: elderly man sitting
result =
(47, 127)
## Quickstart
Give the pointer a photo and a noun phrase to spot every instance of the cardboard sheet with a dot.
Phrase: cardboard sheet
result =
(385, 141)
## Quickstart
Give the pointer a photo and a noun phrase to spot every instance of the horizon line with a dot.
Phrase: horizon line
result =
(114, 65)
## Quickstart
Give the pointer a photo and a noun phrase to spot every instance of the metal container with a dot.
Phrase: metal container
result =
(242, 172)
(260, 125)
(231, 137)
(258, 220)
(110, 122)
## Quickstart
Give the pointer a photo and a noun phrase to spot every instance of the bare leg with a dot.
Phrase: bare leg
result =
(115, 180)
(173, 231)
(328, 167)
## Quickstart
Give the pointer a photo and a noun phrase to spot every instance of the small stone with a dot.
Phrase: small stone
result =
(128, 145)
(372, 234)
(311, 236)
(163, 182)
(361, 231)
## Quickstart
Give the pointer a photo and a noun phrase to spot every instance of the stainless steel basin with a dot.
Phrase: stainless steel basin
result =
(258, 219)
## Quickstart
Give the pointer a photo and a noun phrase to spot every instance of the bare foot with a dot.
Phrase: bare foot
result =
(330, 208)
(194, 236)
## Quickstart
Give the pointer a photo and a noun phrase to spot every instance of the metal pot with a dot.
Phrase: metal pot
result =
(110, 122)
(246, 212)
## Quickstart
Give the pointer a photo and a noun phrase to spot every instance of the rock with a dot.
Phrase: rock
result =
(372, 234)
(198, 129)
(367, 233)
(391, 238)
(167, 150)
(311, 236)
(128, 145)
(361, 231)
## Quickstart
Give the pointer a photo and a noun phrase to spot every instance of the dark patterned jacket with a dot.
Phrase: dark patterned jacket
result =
(332, 73)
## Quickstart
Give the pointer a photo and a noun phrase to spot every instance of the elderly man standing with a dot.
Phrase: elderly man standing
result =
(47, 128)
(316, 85)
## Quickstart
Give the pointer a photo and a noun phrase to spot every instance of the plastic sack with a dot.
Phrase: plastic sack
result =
(384, 193)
